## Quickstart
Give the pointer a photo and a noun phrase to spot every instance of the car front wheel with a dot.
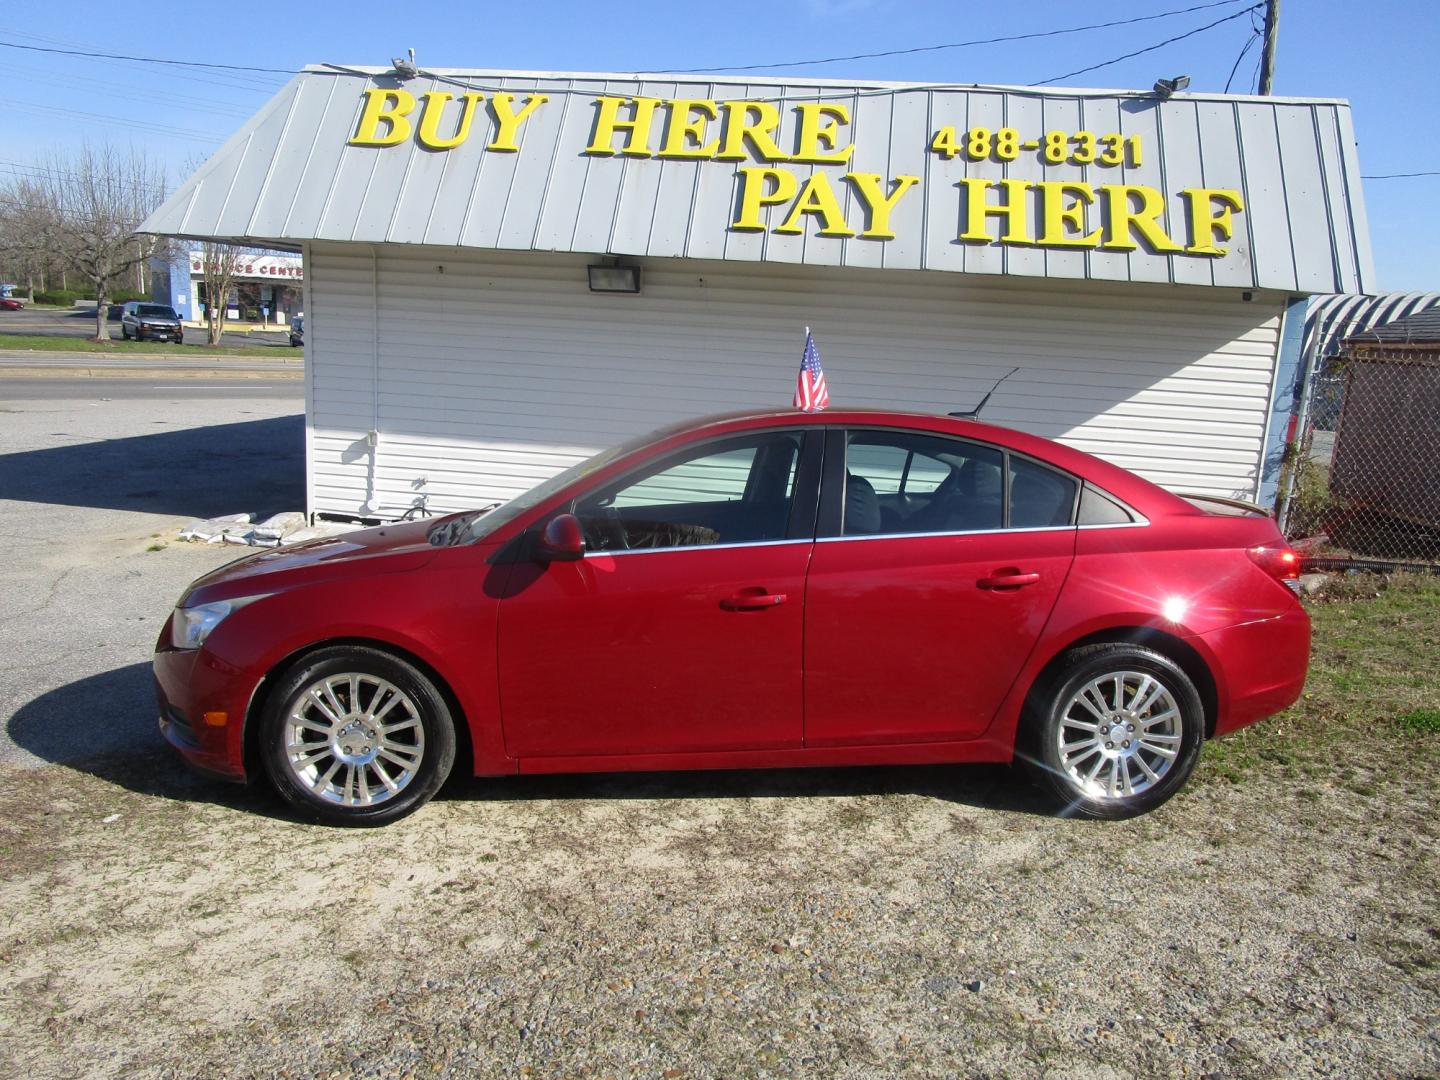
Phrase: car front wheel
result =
(1116, 732)
(355, 736)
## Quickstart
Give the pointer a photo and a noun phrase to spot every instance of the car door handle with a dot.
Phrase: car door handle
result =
(1007, 579)
(752, 601)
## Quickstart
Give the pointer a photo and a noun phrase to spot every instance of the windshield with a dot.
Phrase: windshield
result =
(157, 310)
(475, 525)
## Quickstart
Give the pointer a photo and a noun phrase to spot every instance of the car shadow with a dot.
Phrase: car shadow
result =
(255, 465)
(104, 725)
(995, 787)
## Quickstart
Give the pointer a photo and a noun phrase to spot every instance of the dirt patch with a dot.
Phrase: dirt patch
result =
(1277, 918)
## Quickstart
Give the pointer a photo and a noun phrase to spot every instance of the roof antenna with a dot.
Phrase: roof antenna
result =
(974, 414)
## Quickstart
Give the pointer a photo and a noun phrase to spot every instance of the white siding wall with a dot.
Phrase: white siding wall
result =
(496, 370)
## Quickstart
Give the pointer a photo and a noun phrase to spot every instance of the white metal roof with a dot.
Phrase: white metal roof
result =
(291, 175)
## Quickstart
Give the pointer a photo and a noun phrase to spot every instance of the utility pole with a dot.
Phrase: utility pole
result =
(1267, 56)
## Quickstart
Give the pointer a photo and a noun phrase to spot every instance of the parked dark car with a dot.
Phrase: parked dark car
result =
(753, 591)
(140, 320)
(297, 331)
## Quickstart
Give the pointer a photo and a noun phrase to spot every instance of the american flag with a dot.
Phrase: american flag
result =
(811, 394)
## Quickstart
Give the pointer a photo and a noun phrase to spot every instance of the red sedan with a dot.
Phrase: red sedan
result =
(10, 304)
(754, 591)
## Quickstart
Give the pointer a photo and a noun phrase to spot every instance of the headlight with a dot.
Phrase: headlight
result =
(192, 625)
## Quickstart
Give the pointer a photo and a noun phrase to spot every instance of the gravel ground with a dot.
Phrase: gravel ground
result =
(1277, 918)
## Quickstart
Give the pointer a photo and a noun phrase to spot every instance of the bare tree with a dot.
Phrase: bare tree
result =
(218, 266)
(25, 225)
(91, 202)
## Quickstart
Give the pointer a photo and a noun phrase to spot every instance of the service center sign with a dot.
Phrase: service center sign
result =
(1064, 214)
(265, 267)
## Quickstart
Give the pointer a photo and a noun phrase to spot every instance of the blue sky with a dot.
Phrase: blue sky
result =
(1379, 54)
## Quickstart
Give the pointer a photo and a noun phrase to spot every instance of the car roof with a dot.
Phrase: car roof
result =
(1150, 499)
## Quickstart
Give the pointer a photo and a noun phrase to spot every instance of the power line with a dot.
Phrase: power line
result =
(1249, 41)
(148, 59)
(1035, 35)
(950, 45)
(227, 80)
(1399, 175)
(114, 89)
(39, 172)
(140, 125)
(1148, 48)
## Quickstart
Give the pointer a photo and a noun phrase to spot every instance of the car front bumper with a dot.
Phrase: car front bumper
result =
(202, 706)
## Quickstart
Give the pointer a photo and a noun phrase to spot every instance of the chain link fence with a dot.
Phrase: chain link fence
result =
(1363, 477)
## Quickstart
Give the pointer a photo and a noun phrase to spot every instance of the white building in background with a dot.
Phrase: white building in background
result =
(268, 289)
(1142, 260)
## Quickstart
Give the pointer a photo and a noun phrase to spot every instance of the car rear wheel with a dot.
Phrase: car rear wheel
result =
(1116, 732)
(355, 736)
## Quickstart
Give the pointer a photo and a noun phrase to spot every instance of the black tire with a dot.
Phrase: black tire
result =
(1062, 778)
(299, 774)
(124, 332)
(179, 339)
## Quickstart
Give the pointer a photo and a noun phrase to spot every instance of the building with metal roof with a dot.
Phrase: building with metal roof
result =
(1142, 260)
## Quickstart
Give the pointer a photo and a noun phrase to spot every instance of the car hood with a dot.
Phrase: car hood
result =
(388, 549)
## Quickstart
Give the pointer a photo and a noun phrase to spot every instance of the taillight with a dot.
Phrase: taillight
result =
(1280, 562)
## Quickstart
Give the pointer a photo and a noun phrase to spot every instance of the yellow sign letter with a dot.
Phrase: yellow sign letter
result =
(817, 197)
(1062, 224)
(753, 181)
(685, 137)
(608, 122)
(434, 109)
(392, 107)
(508, 121)
(871, 189)
(1207, 222)
(1144, 219)
(1014, 210)
(813, 133)
(760, 131)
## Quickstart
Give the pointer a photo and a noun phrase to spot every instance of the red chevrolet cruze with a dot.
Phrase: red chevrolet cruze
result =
(752, 591)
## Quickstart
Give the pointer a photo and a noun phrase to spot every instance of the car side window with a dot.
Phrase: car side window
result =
(1040, 497)
(901, 482)
(731, 491)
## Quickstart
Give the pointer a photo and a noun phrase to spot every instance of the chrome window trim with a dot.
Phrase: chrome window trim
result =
(697, 547)
(968, 532)
(1140, 523)
(982, 532)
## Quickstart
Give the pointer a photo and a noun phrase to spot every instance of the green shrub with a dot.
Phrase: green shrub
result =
(58, 297)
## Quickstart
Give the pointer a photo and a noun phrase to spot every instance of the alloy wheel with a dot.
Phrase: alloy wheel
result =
(1119, 734)
(354, 739)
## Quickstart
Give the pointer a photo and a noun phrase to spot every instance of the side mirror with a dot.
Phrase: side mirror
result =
(563, 539)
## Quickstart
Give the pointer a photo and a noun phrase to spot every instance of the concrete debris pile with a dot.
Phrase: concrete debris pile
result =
(274, 531)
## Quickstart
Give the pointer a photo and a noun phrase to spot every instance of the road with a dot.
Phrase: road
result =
(151, 390)
(94, 474)
(80, 323)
